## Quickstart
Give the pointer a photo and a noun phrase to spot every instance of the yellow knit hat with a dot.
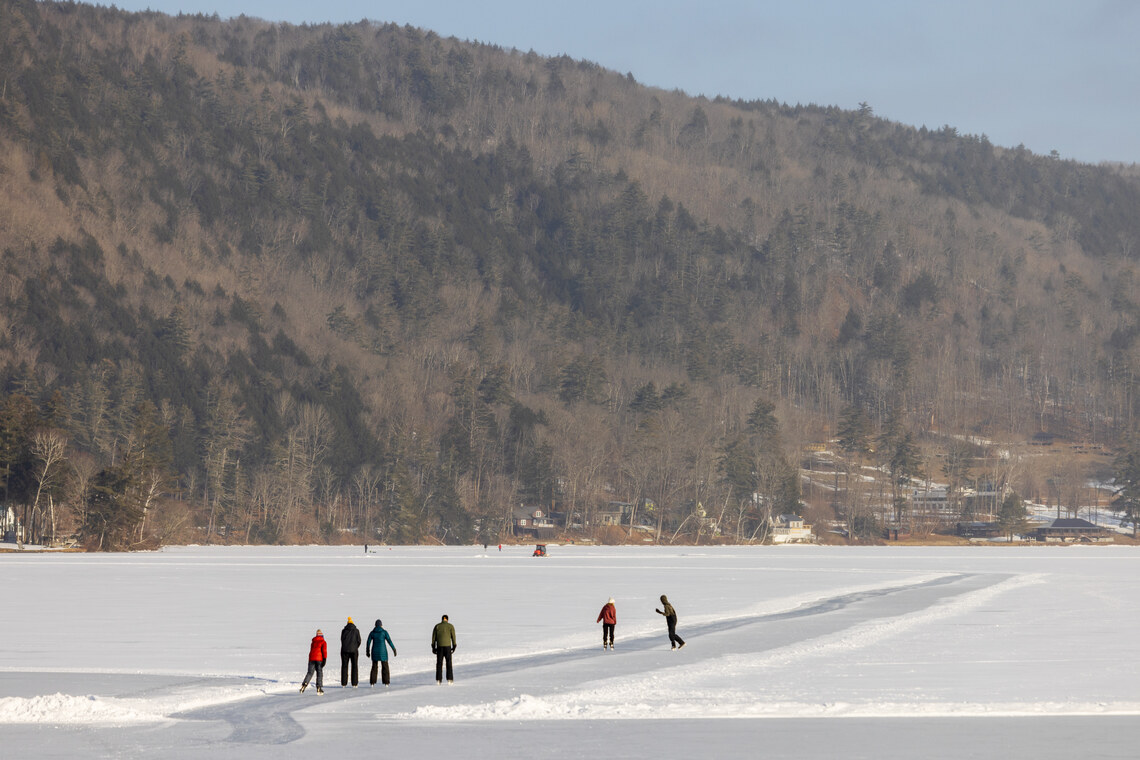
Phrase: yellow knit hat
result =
(350, 620)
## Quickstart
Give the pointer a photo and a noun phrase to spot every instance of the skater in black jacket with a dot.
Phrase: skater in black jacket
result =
(349, 653)
(671, 620)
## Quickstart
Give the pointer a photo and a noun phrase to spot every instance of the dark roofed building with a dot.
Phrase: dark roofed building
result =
(1070, 530)
(533, 522)
(979, 529)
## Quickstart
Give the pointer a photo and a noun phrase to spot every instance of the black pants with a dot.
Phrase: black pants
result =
(315, 666)
(384, 675)
(607, 631)
(345, 659)
(441, 654)
(674, 639)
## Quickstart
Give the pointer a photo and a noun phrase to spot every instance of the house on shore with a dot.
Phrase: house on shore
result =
(1068, 530)
(791, 529)
(532, 522)
(612, 513)
(979, 529)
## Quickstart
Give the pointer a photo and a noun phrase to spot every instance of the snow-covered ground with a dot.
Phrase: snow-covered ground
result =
(793, 651)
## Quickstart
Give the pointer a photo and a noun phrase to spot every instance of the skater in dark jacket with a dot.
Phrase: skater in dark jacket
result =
(349, 653)
(318, 655)
(377, 649)
(671, 620)
(443, 646)
(608, 618)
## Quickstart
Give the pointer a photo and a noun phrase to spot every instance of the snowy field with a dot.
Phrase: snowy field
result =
(796, 652)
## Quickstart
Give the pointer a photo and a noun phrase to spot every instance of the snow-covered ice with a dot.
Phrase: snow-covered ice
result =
(793, 651)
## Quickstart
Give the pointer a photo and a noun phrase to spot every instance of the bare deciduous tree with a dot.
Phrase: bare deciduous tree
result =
(49, 448)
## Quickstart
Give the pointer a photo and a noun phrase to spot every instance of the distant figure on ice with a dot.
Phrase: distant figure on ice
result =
(608, 618)
(671, 620)
(349, 652)
(318, 655)
(377, 649)
(442, 646)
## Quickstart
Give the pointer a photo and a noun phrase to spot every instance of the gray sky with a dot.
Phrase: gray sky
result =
(1052, 75)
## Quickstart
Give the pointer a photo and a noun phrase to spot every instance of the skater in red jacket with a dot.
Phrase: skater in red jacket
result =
(318, 655)
(608, 618)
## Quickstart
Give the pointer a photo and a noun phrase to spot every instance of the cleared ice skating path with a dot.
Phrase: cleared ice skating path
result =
(269, 719)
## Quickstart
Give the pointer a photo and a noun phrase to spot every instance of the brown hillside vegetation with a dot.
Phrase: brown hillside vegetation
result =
(360, 282)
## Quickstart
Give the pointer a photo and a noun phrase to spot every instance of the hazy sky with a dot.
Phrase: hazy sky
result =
(1052, 75)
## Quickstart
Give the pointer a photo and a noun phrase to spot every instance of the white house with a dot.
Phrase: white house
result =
(931, 502)
(790, 529)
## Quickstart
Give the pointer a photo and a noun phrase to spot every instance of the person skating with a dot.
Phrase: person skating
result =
(608, 618)
(349, 653)
(318, 655)
(377, 649)
(443, 646)
(671, 620)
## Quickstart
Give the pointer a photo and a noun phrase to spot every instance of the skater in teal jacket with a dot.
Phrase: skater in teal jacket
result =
(377, 649)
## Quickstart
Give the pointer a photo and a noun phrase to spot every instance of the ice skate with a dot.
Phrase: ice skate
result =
(320, 690)
(303, 687)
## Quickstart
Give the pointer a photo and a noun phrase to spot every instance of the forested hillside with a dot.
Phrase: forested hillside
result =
(272, 283)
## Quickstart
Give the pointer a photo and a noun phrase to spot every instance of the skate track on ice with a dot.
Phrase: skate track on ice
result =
(269, 719)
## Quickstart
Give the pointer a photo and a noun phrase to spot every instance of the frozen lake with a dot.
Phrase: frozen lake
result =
(806, 652)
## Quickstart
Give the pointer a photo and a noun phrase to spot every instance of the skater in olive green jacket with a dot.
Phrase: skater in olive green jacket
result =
(671, 620)
(442, 646)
